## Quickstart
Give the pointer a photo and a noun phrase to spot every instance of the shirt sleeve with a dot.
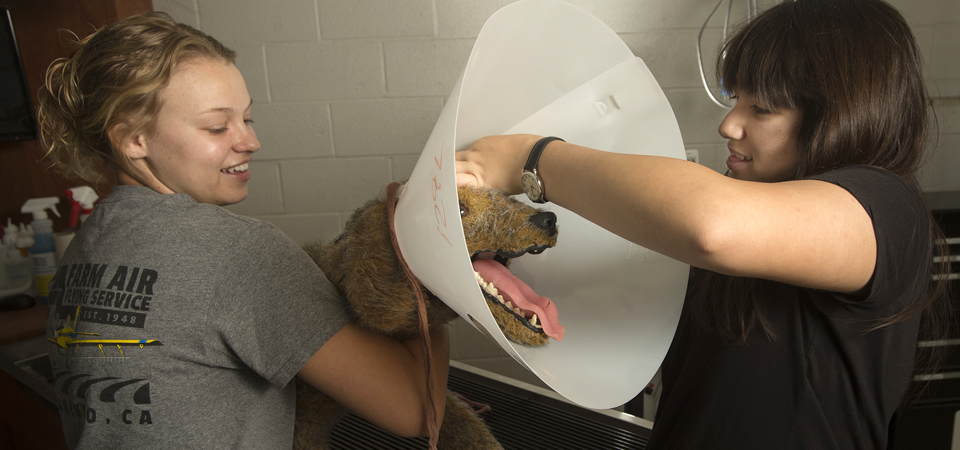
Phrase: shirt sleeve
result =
(279, 307)
(901, 223)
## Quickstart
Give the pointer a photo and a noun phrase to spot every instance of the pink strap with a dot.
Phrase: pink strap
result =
(478, 408)
(425, 348)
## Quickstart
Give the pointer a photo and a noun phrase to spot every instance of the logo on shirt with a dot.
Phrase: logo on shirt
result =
(84, 297)
(77, 296)
(125, 301)
(75, 388)
(67, 337)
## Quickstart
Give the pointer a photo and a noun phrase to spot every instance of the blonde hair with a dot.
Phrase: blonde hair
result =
(114, 77)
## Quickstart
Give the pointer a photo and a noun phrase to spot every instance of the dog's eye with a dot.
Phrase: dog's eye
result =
(464, 210)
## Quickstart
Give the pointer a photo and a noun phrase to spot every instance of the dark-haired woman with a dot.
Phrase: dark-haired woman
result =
(812, 256)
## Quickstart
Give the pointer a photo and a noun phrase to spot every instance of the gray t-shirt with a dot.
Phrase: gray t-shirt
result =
(180, 325)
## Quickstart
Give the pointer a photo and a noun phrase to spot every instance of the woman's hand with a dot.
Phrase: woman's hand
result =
(381, 379)
(495, 162)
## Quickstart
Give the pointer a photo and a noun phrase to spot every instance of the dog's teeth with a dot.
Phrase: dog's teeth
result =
(518, 311)
(533, 320)
(500, 298)
(492, 289)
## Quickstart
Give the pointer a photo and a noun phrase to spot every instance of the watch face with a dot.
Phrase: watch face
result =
(531, 186)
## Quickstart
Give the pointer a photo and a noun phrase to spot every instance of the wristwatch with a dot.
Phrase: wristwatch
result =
(530, 180)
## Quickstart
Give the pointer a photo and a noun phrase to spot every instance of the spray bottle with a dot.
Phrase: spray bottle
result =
(6, 252)
(10, 239)
(81, 200)
(43, 252)
(16, 267)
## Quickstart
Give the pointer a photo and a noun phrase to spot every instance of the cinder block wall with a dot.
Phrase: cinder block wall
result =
(346, 93)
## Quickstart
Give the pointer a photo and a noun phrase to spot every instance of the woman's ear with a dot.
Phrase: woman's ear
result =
(129, 153)
(130, 146)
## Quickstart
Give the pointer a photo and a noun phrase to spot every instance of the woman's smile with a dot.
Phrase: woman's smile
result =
(766, 141)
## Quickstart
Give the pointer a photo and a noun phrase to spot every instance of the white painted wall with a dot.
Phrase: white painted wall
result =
(346, 93)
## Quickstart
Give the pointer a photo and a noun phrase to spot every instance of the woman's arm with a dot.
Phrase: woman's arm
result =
(808, 233)
(381, 379)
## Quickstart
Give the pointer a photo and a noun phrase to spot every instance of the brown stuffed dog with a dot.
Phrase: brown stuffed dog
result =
(364, 267)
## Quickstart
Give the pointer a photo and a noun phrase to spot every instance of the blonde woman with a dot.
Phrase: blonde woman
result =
(176, 323)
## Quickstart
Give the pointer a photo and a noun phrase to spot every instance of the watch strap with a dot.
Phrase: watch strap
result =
(536, 151)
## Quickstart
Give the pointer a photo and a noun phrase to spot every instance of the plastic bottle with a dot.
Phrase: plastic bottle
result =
(4, 278)
(17, 267)
(81, 200)
(42, 252)
(5, 281)
(10, 238)
(24, 240)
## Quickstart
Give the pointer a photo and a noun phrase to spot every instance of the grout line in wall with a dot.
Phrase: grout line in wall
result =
(316, 13)
(333, 146)
(436, 21)
(266, 73)
(946, 100)
(196, 14)
(283, 198)
(383, 69)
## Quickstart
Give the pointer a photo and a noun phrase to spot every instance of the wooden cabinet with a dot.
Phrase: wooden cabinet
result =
(41, 31)
(41, 27)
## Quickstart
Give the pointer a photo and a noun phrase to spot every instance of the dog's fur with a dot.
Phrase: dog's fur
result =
(363, 266)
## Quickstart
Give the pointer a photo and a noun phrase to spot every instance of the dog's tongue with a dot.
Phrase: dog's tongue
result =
(521, 295)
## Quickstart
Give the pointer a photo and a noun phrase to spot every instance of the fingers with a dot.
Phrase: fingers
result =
(467, 171)
(494, 162)
(468, 180)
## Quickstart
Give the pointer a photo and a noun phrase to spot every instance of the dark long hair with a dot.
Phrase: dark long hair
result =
(854, 69)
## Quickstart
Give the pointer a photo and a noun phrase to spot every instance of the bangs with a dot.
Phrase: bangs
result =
(763, 60)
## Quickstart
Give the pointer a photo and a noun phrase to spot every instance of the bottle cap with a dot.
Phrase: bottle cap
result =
(9, 232)
(38, 207)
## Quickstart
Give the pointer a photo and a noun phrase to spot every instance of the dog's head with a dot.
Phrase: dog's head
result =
(499, 228)
(363, 266)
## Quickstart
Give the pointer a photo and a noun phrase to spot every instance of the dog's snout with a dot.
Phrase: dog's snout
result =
(546, 221)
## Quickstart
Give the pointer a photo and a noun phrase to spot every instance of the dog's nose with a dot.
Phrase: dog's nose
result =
(546, 221)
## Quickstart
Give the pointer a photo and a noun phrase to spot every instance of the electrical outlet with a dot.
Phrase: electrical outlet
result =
(693, 155)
